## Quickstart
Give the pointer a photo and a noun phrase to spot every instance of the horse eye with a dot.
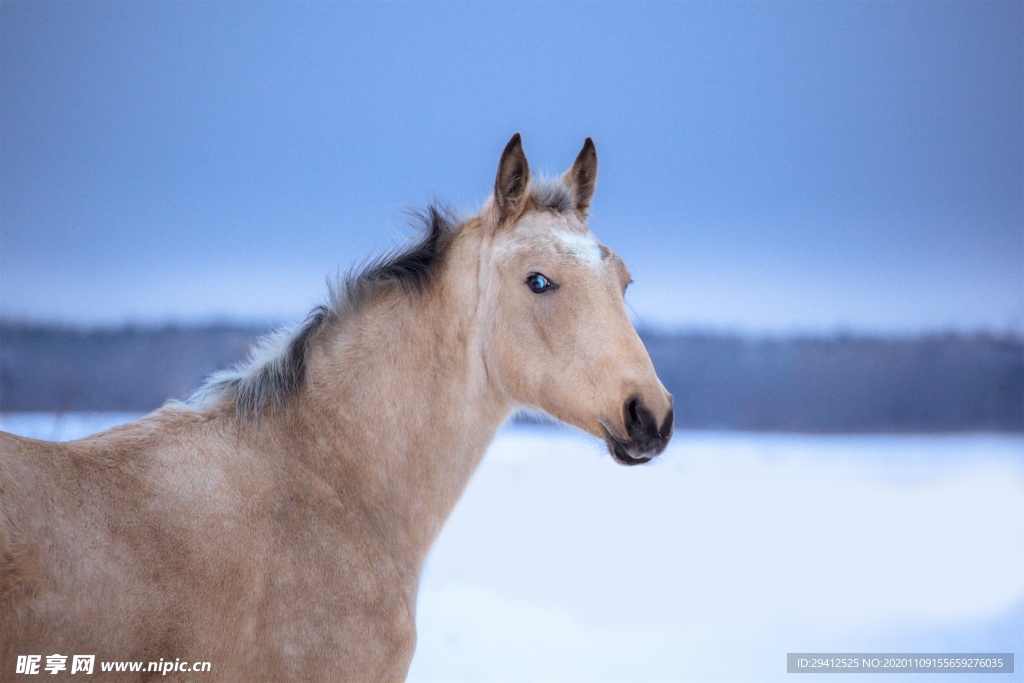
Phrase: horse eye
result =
(538, 283)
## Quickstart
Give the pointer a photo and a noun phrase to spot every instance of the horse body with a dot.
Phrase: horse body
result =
(276, 525)
(293, 534)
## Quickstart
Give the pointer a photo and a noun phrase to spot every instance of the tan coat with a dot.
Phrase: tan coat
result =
(276, 526)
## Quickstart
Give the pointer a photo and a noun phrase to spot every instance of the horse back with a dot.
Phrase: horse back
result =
(71, 519)
(161, 540)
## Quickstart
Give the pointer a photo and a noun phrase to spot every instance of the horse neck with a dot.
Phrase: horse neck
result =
(402, 411)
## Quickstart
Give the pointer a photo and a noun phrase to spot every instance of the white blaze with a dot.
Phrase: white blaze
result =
(583, 246)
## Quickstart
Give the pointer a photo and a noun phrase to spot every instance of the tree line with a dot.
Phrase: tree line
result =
(843, 383)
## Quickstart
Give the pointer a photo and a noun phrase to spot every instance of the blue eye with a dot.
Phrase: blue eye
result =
(538, 283)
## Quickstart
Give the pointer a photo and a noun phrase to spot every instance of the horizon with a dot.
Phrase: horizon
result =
(261, 328)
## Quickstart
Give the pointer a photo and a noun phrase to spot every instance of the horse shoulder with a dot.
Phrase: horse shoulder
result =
(337, 599)
(295, 572)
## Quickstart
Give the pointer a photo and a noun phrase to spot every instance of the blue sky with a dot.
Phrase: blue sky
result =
(765, 167)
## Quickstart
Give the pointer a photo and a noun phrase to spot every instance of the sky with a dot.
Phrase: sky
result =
(764, 167)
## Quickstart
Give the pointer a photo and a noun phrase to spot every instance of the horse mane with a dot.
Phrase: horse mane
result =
(275, 369)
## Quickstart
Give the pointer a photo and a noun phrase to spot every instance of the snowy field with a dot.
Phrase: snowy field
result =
(712, 564)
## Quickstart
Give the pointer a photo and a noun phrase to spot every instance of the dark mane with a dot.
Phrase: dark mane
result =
(276, 367)
(412, 267)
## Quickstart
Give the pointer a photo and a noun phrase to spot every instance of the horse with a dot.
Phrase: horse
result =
(275, 524)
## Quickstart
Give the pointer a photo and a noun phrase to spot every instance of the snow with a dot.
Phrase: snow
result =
(61, 426)
(715, 561)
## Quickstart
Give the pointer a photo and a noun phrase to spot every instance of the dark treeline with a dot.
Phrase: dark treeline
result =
(844, 384)
(839, 384)
(126, 369)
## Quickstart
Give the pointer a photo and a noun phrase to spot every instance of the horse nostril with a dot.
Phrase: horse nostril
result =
(634, 418)
(666, 426)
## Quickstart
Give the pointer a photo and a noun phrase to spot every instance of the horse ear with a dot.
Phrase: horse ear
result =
(510, 187)
(582, 177)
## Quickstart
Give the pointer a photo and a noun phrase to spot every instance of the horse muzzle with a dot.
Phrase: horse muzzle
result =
(646, 437)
